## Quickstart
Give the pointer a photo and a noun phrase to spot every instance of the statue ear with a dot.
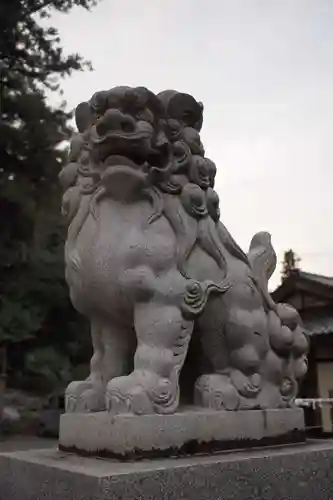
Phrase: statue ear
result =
(198, 125)
(83, 116)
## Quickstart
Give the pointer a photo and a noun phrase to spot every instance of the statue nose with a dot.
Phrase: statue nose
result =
(114, 119)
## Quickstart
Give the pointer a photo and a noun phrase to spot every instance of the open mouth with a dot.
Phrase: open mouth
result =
(136, 158)
(118, 160)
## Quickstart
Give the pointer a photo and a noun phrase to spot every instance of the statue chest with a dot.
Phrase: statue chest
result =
(119, 251)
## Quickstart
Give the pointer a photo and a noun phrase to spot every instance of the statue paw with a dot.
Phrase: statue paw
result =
(216, 392)
(141, 393)
(84, 396)
(247, 386)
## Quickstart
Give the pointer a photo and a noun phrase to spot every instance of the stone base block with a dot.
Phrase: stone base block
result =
(189, 432)
(297, 472)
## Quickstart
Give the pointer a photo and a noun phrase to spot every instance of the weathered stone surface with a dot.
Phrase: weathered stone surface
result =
(159, 276)
(195, 431)
(302, 472)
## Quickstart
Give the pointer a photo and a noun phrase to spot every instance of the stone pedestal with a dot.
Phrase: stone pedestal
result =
(188, 432)
(298, 472)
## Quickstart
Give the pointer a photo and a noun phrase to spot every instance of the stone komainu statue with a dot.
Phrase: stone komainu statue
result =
(161, 280)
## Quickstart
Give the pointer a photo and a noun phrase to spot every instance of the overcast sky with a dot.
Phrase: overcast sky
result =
(264, 71)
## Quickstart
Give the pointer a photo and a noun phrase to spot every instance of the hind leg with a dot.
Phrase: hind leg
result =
(163, 337)
(214, 389)
(235, 340)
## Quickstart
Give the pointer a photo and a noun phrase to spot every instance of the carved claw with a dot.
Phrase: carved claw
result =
(127, 395)
(84, 396)
(91, 400)
(141, 393)
(248, 386)
(216, 392)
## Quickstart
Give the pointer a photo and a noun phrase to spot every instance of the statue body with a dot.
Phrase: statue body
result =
(159, 276)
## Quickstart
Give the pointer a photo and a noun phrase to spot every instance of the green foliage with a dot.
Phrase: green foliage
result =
(19, 320)
(49, 364)
(31, 132)
(33, 294)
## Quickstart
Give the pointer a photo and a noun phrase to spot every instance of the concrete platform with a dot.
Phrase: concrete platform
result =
(23, 443)
(298, 472)
(189, 432)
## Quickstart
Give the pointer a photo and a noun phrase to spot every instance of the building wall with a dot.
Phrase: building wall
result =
(325, 389)
(324, 348)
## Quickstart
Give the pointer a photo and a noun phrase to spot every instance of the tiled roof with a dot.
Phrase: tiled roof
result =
(319, 323)
(298, 279)
(317, 320)
(317, 278)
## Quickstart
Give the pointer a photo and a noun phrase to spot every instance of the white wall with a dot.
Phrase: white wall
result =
(325, 385)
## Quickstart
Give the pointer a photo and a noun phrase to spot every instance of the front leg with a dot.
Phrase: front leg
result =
(85, 395)
(111, 354)
(163, 337)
